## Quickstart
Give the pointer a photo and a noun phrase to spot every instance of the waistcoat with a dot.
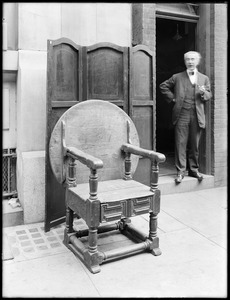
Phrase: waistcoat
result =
(189, 100)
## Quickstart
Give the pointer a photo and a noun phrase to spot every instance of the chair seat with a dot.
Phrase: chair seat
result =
(114, 190)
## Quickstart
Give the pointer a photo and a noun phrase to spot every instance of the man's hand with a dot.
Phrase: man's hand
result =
(201, 89)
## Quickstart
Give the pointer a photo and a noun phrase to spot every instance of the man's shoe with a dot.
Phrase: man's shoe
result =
(196, 175)
(179, 178)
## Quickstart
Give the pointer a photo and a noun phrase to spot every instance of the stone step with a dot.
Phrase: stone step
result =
(11, 216)
(168, 186)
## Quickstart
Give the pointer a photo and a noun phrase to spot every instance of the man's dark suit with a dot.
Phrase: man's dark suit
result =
(176, 88)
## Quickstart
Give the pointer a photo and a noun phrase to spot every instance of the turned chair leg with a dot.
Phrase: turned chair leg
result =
(70, 182)
(153, 234)
(69, 225)
(92, 239)
(69, 220)
(155, 210)
(91, 256)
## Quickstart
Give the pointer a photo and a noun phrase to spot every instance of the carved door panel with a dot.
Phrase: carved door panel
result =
(105, 73)
(64, 82)
(142, 105)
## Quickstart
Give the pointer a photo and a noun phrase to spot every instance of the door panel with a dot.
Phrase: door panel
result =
(142, 105)
(63, 91)
(142, 73)
(65, 73)
(143, 120)
(106, 73)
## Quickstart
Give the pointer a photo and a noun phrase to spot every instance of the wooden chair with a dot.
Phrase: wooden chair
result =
(94, 152)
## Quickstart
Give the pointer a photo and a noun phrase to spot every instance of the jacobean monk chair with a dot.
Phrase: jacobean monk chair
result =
(94, 152)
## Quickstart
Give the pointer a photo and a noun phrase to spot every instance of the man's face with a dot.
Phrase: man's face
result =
(191, 61)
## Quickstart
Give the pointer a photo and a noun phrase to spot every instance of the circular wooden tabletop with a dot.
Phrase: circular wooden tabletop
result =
(99, 128)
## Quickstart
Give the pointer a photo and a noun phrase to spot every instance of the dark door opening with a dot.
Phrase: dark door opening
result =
(173, 39)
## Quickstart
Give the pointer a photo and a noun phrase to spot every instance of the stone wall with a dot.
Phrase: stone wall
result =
(220, 104)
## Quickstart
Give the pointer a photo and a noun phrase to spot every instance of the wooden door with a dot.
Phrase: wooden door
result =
(64, 82)
(142, 105)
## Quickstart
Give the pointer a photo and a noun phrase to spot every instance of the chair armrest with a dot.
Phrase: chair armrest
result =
(154, 156)
(86, 159)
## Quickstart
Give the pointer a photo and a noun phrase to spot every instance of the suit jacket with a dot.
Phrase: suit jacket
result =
(175, 88)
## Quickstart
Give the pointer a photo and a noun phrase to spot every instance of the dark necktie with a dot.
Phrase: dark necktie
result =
(191, 73)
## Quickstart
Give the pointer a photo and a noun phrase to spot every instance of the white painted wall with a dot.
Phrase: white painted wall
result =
(31, 104)
(84, 23)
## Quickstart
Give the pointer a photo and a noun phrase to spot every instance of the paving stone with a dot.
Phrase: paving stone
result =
(26, 243)
(33, 230)
(35, 235)
(20, 232)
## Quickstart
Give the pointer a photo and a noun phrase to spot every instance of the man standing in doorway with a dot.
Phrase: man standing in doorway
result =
(189, 90)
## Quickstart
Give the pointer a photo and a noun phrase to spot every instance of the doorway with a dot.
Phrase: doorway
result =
(173, 39)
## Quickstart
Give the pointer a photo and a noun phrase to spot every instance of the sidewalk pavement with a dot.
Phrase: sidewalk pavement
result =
(193, 263)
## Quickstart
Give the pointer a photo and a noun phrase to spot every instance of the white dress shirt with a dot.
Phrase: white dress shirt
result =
(193, 78)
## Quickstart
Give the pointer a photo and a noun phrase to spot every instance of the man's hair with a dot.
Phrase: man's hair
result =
(193, 52)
